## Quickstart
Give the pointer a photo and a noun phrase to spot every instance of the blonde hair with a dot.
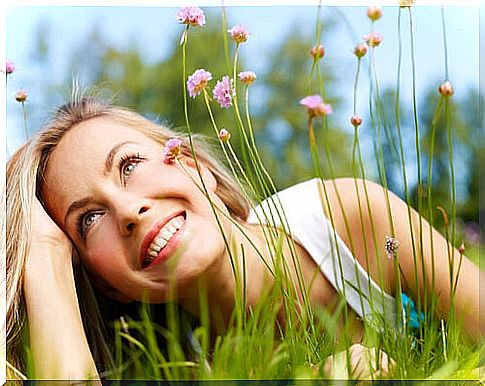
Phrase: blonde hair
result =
(25, 172)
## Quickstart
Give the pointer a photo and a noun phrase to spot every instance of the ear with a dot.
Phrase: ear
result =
(208, 177)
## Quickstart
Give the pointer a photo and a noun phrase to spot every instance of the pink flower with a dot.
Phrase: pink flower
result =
(315, 106)
(360, 50)
(9, 67)
(193, 16)
(374, 13)
(223, 92)
(239, 33)
(317, 52)
(224, 135)
(373, 39)
(391, 247)
(356, 120)
(172, 149)
(446, 89)
(247, 77)
(197, 81)
(21, 96)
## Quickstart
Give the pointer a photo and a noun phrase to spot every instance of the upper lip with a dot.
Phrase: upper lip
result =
(150, 236)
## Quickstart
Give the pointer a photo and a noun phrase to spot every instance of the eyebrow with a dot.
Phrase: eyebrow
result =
(108, 165)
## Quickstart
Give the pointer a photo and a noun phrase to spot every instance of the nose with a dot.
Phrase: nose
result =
(131, 212)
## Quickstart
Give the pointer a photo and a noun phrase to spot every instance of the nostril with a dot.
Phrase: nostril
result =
(143, 209)
(130, 227)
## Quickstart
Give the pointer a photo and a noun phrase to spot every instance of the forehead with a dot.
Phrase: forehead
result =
(77, 163)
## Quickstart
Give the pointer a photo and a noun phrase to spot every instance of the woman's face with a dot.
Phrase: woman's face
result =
(140, 224)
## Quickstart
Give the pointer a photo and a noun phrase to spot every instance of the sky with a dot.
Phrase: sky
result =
(153, 29)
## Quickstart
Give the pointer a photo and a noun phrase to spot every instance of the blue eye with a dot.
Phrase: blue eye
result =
(127, 165)
(86, 220)
(128, 168)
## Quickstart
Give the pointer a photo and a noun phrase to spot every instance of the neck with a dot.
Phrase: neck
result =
(242, 260)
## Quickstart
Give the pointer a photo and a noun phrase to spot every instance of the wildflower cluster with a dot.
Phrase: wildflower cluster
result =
(191, 16)
(239, 33)
(197, 82)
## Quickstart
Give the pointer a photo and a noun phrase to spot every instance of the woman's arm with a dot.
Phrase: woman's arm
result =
(58, 342)
(407, 232)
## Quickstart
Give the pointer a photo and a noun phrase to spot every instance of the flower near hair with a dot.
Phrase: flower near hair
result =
(239, 33)
(315, 106)
(356, 120)
(9, 67)
(172, 149)
(193, 16)
(373, 39)
(224, 135)
(247, 77)
(223, 92)
(360, 50)
(197, 81)
(446, 89)
(21, 96)
(317, 52)
(374, 13)
(392, 246)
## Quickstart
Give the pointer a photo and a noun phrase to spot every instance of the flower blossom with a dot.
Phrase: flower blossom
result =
(406, 3)
(224, 135)
(315, 106)
(9, 67)
(360, 50)
(317, 52)
(197, 81)
(172, 149)
(392, 246)
(461, 249)
(193, 16)
(247, 77)
(356, 120)
(239, 33)
(223, 92)
(21, 96)
(374, 13)
(373, 39)
(446, 89)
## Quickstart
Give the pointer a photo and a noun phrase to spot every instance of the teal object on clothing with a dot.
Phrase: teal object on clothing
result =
(414, 318)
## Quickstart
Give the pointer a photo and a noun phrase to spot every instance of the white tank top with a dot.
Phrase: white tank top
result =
(309, 227)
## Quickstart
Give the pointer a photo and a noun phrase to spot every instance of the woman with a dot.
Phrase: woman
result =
(94, 187)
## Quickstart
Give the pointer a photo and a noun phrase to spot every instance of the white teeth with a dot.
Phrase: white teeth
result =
(162, 239)
(160, 242)
(166, 235)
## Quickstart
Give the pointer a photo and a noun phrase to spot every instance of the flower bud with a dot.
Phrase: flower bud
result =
(374, 13)
(446, 89)
(317, 52)
(356, 120)
(21, 96)
(360, 50)
(224, 135)
(461, 249)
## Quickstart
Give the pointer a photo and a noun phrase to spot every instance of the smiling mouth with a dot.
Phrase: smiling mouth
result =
(163, 240)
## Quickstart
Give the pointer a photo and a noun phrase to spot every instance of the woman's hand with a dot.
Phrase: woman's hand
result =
(47, 240)
(365, 363)
(45, 230)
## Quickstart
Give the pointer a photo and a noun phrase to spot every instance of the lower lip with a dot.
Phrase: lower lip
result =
(171, 246)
